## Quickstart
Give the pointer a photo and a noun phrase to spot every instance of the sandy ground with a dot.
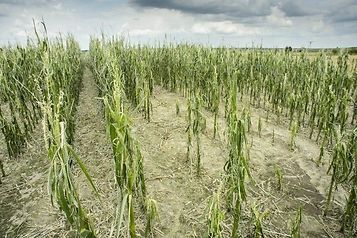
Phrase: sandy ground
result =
(24, 202)
(94, 149)
(182, 197)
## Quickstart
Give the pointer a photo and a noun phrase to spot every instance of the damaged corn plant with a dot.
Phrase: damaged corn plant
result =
(316, 95)
(237, 165)
(20, 111)
(215, 215)
(128, 161)
(343, 170)
(62, 72)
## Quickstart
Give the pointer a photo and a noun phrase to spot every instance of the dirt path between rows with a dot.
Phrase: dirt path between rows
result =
(171, 180)
(93, 147)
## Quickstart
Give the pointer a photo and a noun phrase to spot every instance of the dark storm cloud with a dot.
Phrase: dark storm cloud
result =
(343, 14)
(331, 10)
(335, 10)
(235, 9)
(293, 8)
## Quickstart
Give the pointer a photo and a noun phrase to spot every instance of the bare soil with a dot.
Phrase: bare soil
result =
(25, 206)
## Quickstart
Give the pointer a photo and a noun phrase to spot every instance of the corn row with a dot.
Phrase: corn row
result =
(59, 92)
(116, 87)
(19, 107)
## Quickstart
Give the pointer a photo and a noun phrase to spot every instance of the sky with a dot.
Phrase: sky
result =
(236, 23)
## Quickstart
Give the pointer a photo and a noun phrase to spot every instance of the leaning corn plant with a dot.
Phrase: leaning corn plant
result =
(215, 217)
(128, 161)
(61, 182)
(258, 219)
(340, 168)
(260, 125)
(59, 95)
(152, 215)
(236, 167)
(343, 170)
(2, 170)
(279, 177)
(198, 125)
(296, 224)
(189, 128)
(294, 130)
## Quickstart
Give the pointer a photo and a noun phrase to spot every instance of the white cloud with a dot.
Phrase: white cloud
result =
(318, 26)
(58, 6)
(149, 22)
(21, 33)
(278, 18)
(222, 27)
(143, 32)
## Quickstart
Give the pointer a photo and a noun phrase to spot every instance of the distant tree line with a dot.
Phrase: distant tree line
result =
(350, 50)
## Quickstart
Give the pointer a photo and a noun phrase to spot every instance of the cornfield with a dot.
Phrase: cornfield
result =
(218, 94)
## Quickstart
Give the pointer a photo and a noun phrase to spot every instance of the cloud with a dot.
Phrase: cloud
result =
(293, 8)
(233, 22)
(236, 9)
(344, 14)
(58, 6)
(144, 32)
(153, 22)
(278, 18)
(28, 2)
(223, 27)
